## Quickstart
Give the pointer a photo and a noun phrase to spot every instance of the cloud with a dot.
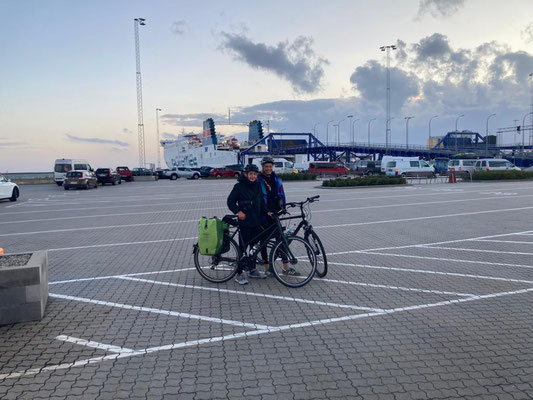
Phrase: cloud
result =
(295, 62)
(195, 119)
(527, 33)
(73, 138)
(126, 130)
(12, 144)
(439, 8)
(169, 136)
(178, 27)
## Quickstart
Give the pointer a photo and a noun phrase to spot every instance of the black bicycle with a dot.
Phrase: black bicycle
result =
(292, 259)
(310, 235)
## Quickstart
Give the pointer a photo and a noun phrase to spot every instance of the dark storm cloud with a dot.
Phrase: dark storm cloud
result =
(370, 79)
(295, 62)
(73, 138)
(178, 27)
(439, 8)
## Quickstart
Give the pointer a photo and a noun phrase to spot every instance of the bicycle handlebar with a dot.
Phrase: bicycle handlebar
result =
(301, 203)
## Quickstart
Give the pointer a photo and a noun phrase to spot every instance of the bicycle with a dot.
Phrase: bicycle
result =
(310, 235)
(286, 252)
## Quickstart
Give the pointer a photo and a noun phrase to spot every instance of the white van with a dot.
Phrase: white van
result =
(462, 165)
(386, 159)
(64, 165)
(415, 167)
(281, 165)
(495, 164)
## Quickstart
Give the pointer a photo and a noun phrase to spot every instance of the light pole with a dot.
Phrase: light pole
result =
(339, 132)
(407, 132)
(353, 130)
(158, 144)
(390, 133)
(487, 134)
(388, 117)
(429, 129)
(456, 132)
(140, 120)
(335, 126)
(531, 90)
(369, 122)
(327, 132)
(314, 128)
(524, 131)
(349, 124)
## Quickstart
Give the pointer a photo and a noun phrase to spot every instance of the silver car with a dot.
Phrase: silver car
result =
(187, 173)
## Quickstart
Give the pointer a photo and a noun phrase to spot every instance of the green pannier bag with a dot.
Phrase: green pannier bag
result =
(211, 236)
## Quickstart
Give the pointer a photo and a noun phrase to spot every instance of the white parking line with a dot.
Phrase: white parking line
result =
(95, 345)
(446, 259)
(121, 275)
(158, 311)
(479, 250)
(245, 293)
(424, 218)
(424, 271)
(174, 346)
(501, 241)
(121, 244)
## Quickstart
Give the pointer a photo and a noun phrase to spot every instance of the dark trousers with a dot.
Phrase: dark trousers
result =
(247, 233)
(268, 226)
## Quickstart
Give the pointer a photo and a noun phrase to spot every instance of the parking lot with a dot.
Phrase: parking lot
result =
(428, 295)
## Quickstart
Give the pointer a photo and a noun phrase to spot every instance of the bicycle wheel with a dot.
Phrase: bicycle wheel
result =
(321, 259)
(295, 266)
(220, 268)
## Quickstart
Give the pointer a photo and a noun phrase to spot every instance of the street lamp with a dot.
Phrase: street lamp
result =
(407, 132)
(429, 130)
(373, 119)
(388, 117)
(524, 131)
(158, 143)
(390, 133)
(339, 132)
(353, 130)
(335, 126)
(314, 128)
(456, 120)
(531, 90)
(140, 118)
(487, 134)
(327, 132)
(349, 123)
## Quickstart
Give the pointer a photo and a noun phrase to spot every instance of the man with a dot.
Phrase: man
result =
(246, 201)
(274, 200)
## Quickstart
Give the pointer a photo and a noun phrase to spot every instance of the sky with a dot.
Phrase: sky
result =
(68, 81)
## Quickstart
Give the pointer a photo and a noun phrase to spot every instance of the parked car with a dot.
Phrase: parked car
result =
(495, 164)
(224, 171)
(236, 167)
(368, 167)
(327, 168)
(64, 165)
(441, 164)
(204, 171)
(182, 172)
(161, 173)
(8, 189)
(412, 167)
(107, 175)
(80, 180)
(141, 172)
(461, 165)
(125, 173)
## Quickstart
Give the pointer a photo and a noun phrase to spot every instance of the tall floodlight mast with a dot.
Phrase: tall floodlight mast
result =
(140, 120)
(388, 118)
(158, 142)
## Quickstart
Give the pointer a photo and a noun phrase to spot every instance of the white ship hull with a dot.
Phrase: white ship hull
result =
(182, 154)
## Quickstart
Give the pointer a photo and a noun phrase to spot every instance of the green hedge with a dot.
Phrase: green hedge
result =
(305, 176)
(366, 181)
(501, 175)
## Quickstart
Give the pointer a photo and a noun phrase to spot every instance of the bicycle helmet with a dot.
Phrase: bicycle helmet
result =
(251, 168)
(267, 160)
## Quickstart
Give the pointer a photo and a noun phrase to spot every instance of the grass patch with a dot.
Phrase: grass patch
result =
(501, 175)
(365, 181)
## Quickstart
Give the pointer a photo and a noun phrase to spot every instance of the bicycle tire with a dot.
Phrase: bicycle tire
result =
(318, 247)
(231, 271)
(286, 280)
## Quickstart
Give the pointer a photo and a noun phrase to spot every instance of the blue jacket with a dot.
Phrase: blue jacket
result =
(280, 192)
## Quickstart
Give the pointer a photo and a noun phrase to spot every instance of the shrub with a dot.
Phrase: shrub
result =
(377, 180)
(501, 175)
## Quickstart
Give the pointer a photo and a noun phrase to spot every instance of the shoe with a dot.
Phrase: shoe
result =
(254, 273)
(290, 271)
(269, 273)
(240, 279)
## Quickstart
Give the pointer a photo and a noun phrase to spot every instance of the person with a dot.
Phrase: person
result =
(246, 201)
(274, 200)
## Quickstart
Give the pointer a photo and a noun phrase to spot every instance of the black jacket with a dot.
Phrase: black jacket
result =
(246, 196)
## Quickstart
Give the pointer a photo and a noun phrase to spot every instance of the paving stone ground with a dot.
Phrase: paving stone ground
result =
(429, 295)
